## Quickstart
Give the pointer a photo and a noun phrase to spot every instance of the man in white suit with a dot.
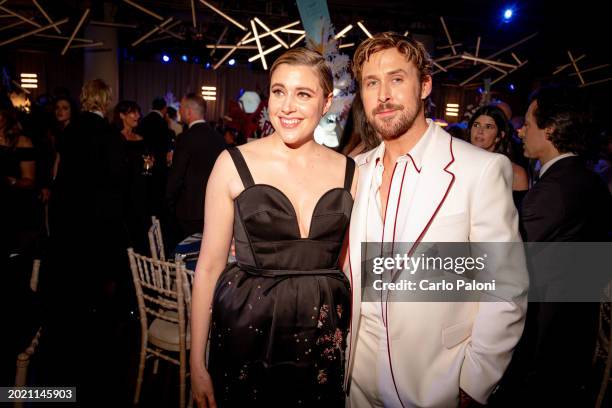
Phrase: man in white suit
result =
(421, 185)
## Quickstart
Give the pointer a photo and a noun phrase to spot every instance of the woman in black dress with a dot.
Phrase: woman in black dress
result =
(281, 313)
(17, 185)
(125, 117)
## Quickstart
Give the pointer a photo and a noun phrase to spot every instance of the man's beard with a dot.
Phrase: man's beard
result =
(392, 128)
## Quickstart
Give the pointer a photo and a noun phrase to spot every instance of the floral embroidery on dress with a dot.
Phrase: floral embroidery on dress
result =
(322, 377)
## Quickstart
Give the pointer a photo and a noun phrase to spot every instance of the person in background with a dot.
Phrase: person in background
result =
(489, 130)
(360, 137)
(125, 118)
(193, 160)
(173, 121)
(568, 203)
(88, 259)
(17, 184)
(158, 137)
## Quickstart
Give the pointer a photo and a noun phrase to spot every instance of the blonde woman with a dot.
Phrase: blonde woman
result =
(280, 315)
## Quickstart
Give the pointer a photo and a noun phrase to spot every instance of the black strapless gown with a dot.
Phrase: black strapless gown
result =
(281, 313)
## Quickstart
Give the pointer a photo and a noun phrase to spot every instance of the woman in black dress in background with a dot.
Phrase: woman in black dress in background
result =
(281, 313)
(125, 118)
(17, 182)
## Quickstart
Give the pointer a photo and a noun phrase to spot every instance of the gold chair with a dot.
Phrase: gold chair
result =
(160, 290)
(156, 241)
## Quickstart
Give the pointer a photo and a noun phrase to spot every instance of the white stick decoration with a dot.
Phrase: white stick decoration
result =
(440, 67)
(116, 25)
(443, 47)
(518, 61)
(276, 37)
(76, 30)
(166, 30)
(475, 75)
(144, 10)
(562, 67)
(19, 16)
(225, 16)
(447, 57)
(487, 61)
(214, 49)
(230, 46)
(292, 31)
(343, 31)
(365, 30)
(15, 24)
(575, 67)
(193, 14)
(63, 37)
(276, 30)
(266, 52)
(263, 58)
(590, 69)
(153, 31)
(33, 32)
(499, 78)
(596, 82)
(448, 37)
(44, 13)
(477, 48)
(297, 40)
(96, 44)
(230, 52)
(347, 45)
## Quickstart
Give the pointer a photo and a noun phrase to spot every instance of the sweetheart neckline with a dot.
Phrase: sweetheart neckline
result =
(297, 223)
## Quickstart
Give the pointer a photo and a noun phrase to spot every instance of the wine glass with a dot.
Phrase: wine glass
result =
(147, 165)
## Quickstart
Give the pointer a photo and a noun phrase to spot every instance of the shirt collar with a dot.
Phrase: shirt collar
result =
(549, 163)
(415, 155)
(99, 113)
(196, 122)
(158, 112)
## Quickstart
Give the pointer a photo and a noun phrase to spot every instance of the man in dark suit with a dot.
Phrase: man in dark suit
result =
(158, 138)
(568, 203)
(196, 152)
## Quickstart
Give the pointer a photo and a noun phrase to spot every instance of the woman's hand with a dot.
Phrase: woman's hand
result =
(202, 388)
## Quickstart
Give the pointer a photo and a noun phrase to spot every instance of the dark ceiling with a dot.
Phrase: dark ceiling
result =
(580, 27)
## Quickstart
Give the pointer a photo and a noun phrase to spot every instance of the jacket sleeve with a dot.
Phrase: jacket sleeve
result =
(498, 325)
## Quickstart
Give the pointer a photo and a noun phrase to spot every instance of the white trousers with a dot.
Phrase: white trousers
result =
(372, 383)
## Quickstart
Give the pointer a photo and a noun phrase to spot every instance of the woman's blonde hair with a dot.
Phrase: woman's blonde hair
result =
(96, 95)
(309, 58)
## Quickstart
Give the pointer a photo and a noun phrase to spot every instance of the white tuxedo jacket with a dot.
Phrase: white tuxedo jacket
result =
(463, 194)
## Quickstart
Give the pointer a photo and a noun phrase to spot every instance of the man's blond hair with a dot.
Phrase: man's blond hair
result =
(412, 49)
(96, 95)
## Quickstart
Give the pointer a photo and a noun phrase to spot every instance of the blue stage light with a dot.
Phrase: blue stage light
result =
(207, 66)
(232, 62)
(184, 58)
(511, 86)
(165, 58)
(508, 14)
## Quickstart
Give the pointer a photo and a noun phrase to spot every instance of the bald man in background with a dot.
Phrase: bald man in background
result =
(196, 152)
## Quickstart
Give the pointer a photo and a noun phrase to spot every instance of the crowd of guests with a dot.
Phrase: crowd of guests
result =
(79, 184)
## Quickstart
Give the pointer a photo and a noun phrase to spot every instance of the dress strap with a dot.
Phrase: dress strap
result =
(241, 166)
(348, 175)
